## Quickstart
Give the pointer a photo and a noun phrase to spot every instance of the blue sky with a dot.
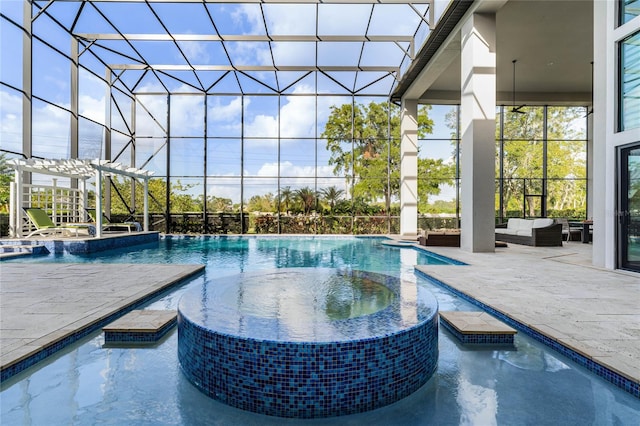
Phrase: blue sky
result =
(295, 112)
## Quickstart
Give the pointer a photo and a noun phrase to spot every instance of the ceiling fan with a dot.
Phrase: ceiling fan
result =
(514, 108)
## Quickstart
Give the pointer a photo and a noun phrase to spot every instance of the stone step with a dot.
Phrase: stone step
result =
(477, 328)
(140, 327)
(17, 249)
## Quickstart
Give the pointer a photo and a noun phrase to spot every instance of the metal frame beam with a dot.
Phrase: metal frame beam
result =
(247, 37)
(172, 67)
(273, 1)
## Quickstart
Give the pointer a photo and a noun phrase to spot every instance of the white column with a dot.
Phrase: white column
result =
(145, 220)
(478, 128)
(84, 200)
(409, 169)
(98, 203)
(604, 164)
(14, 213)
(16, 204)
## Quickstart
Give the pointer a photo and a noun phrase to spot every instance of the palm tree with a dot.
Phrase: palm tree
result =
(285, 197)
(307, 197)
(332, 195)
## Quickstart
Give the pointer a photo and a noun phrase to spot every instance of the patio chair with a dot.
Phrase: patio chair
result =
(45, 226)
(567, 230)
(107, 225)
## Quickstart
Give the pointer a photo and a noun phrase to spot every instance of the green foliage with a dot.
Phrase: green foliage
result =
(6, 176)
(367, 153)
(180, 197)
(307, 199)
(331, 196)
(262, 203)
(219, 204)
(286, 195)
(523, 158)
(441, 206)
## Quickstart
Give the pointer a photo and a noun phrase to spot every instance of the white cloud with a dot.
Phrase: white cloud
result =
(195, 51)
(291, 170)
(219, 112)
(298, 118)
(92, 108)
(10, 121)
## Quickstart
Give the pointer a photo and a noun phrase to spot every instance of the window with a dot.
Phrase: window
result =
(629, 9)
(629, 117)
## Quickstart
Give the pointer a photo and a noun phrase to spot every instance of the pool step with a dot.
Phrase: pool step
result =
(477, 328)
(20, 248)
(399, 243)
(140, 327)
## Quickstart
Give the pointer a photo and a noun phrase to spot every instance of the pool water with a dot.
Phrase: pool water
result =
(89, 384)
(307, 300)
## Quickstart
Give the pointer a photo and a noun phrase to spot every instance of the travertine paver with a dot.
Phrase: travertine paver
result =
(140, 327)
(46, 302)
(557, 292)
(143, 321)
(475, 323)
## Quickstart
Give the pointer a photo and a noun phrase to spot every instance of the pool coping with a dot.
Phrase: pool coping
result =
(601, 369)
(77, 325)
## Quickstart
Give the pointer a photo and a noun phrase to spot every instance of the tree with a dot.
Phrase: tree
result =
(179, 197)
(307, 198)
(331, 195)
(367, 154)
(523, 159)
(262, 203)
(219, 204)
(285, 197)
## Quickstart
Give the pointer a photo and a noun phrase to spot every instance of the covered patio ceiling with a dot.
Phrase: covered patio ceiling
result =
(552, 42)
(250, 46)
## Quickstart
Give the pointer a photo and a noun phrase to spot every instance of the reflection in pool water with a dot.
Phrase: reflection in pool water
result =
(349, 297)
(324, 294)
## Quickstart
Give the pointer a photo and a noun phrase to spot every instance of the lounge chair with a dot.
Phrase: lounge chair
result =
(107, 225)
(45, 226)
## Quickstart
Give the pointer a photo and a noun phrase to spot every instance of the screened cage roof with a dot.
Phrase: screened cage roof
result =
(234, 46)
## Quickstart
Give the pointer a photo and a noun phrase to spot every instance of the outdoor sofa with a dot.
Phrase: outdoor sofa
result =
(443, 238)
(543, 232)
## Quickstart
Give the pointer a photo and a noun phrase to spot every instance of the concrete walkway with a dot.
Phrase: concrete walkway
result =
(557, 292)
(42, 304)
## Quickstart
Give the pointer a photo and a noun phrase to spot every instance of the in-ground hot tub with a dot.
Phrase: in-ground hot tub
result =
(308, 342)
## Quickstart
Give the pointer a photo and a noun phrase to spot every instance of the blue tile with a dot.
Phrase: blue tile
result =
(600, 370)
(307, 379)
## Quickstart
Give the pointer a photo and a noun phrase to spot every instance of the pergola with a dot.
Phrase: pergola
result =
(82, 170)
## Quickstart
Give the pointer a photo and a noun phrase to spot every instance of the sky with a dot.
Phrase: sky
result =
(298, 127)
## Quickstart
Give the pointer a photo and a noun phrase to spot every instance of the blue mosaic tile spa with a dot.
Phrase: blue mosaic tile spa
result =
(308, 342)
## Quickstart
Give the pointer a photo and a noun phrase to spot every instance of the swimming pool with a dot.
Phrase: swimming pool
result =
(89, 384)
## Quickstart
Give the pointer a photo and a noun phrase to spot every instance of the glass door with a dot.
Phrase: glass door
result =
(629, 229)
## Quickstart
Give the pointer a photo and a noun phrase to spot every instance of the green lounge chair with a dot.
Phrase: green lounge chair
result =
(45, 226)
(107, 225)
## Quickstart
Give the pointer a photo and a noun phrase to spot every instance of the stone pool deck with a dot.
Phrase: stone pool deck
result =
(558, 293)
(44, 306)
